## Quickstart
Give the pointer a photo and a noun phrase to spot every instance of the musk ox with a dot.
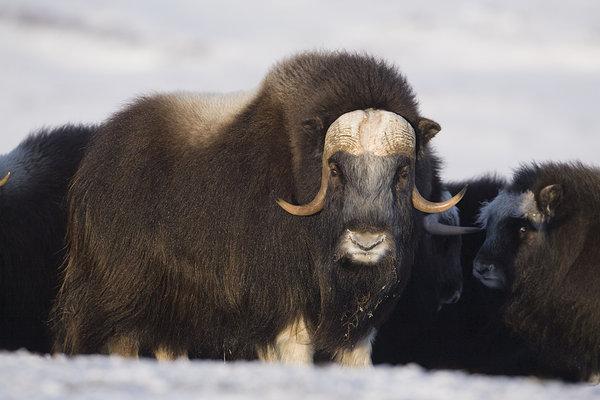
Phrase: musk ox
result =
(542, 248)
(33, 199)
(436, 281)
(470, 334)
(180, 242)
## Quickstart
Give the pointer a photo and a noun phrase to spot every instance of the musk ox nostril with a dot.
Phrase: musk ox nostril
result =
(484, 268)
(365, 240)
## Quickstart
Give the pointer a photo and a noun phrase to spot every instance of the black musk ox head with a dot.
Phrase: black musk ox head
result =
(526, 224)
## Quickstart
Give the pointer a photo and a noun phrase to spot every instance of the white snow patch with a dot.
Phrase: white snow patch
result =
(26, 376)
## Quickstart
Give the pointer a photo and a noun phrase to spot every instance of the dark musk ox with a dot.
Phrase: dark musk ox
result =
(33, 219)
(542, 248)
(435, 282)
(180, 242)
(470, 334)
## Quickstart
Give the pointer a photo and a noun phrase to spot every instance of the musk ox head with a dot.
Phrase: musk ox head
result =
(367, 184)
(526, 224)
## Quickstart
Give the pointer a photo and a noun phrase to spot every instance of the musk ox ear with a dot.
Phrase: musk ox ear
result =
(550, 199)
(428, 128)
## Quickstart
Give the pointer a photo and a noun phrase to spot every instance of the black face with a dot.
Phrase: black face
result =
(509, 229)
(368, 204)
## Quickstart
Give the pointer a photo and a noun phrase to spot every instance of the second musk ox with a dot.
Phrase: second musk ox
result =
(542, 248)
(470, 334)
(34, 180)
(180, 242)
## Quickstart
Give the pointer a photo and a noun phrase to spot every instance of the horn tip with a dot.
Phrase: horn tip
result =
(5, 180)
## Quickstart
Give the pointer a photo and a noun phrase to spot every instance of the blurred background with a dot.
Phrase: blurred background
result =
(509, 81)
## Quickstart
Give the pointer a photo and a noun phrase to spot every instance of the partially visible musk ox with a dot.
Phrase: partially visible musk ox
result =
(542, 247)
(470, 334)
(33, 218)
(180, 242)
(436, 281)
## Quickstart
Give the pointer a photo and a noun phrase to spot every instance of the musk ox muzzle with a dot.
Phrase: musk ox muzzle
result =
(380, 133)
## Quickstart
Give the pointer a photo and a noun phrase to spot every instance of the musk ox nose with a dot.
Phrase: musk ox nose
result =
(365, 240)
(489, 274)
(364, 247)
(484, 268)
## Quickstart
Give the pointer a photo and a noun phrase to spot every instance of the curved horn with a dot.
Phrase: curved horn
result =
(429, 207)
(4, 180)
(315, 205)
(434, 227)
(356, 132)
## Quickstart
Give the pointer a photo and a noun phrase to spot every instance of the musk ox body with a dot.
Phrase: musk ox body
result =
(33, 218)
(180, 242)
(542, 248)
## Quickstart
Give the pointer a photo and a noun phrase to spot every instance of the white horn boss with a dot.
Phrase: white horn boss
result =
(378, 132)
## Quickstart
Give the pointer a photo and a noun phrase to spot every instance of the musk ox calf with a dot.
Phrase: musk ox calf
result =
(180, 241)
(33, 199)
(542, 247)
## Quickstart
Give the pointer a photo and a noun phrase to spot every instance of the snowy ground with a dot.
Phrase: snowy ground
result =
(509, 81)
(24, 376)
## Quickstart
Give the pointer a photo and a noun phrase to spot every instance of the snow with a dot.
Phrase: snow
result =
(25, 376)
(508, 81)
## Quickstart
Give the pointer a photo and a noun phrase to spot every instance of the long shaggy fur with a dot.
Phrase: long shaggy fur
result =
(553, 301)
(472, 334)
(181, 245)
(32, 231)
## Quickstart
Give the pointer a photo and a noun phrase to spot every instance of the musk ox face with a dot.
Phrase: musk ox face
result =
(369, 204)
(514, 223)
(367, 188)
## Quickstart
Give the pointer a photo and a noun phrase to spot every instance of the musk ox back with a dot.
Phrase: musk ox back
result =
(32, 231)
(542, 247)
(185, 236)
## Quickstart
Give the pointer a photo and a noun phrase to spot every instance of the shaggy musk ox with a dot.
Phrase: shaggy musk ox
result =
(470, 334)
(33, 218)
(181, 242)
(542, 247)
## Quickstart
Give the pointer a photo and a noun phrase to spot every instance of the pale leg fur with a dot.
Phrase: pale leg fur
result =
(293, 345)
(124, 346)
(165, 354)
(359, 356)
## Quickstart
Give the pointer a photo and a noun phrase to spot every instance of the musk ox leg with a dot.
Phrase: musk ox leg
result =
(163, 353)
(594, 378)
(359, 356)
(293, 345)
(124, 346)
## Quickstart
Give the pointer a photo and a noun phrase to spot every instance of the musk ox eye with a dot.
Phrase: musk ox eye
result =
(334, 170)
(523, 231)
(403, 174)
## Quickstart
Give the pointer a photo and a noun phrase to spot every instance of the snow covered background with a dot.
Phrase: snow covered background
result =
(509, 81)
(30, 377)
